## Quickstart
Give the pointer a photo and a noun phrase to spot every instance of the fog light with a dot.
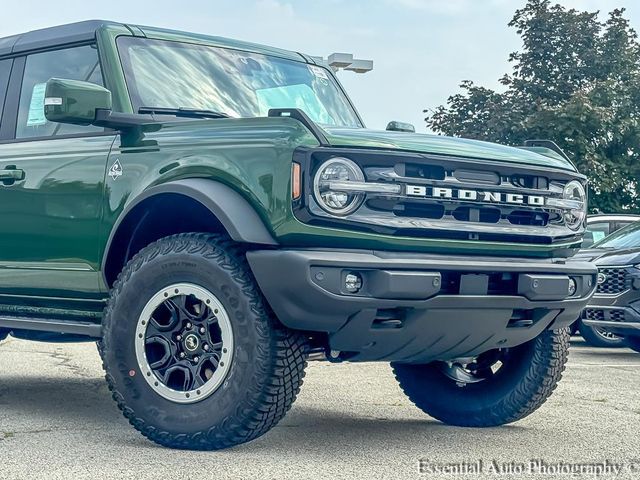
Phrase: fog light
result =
(573, 287)
(352, 282)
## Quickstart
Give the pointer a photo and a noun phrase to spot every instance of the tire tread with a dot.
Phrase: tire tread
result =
(541, 378)
(282, 364)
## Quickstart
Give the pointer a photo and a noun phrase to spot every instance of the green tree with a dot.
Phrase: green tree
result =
(576, 81)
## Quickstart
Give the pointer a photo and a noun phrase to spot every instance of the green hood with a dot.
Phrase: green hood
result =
(423, 143)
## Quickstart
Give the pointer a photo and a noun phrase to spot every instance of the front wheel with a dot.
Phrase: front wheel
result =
(193, 355)
(495, 388)
(599, 337)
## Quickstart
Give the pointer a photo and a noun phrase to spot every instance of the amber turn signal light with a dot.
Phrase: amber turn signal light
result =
(296, 181)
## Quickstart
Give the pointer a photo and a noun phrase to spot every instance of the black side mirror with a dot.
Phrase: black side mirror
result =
(395, 126)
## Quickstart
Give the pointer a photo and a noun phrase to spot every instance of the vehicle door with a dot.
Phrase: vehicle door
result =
(51, 183)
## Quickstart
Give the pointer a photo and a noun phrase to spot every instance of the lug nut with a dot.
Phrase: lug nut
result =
(195, 359)
(202, 330)
(205, 346)
(181, 354)
(188, 324)
(178, 337)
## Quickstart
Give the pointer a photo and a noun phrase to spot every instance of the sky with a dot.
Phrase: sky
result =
(421, 49)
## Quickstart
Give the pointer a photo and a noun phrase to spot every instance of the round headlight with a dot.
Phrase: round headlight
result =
(330, 194)
(575, 193)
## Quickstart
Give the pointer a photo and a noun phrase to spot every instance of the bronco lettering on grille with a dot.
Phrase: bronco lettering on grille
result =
(474, 195)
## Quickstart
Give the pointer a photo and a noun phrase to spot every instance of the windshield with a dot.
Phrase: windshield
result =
(241, 84)
(627, 237)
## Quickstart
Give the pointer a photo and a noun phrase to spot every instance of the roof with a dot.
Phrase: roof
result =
(86, 31)
(166, 34)
(599, 217)
(70, 33)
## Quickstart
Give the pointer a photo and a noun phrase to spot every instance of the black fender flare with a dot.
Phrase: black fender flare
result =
(234, 212)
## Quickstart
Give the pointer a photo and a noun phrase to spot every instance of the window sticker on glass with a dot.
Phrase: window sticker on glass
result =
(597, 236)
(319, 72)
(36, 107)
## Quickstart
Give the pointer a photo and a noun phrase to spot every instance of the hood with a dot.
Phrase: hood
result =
(436, 144)
(610, 257)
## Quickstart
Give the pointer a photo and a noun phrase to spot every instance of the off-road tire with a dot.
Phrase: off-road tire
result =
(268, 359)
(594, 339)
(523, 387)
(633, 343)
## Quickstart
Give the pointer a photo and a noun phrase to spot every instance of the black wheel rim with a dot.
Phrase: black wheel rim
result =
(184, 343)
(611, 337)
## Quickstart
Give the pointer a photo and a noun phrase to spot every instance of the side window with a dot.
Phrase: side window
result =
(620, 225)
(598, 230)
(5, 71)
(77, 63)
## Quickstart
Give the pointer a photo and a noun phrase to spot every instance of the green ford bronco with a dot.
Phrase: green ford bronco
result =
(213, 213)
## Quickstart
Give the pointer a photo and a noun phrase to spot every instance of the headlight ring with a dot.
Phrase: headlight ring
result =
(335, 201)
(575, 193)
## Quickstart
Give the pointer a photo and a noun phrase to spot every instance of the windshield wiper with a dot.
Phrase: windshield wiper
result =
(183, 112)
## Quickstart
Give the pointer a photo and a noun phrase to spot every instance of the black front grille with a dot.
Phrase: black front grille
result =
(616, 280)
(593, 314)
(484, 214)
(481, 214)
(437, 196)
(617, 316)
(602, 315)
(523, 217)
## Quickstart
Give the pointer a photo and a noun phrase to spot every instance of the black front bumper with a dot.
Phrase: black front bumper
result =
(418, 308)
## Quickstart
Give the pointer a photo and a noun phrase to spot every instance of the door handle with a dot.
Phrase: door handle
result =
(11, 175)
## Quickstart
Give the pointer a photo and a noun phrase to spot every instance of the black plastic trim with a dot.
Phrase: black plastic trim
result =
(236, 215)
(551, 145)
(122, 121)
(304, 289)
(88, 329)
(12, 102)
(289, 280)
(6, 66)
(303, 118)
(69, 34)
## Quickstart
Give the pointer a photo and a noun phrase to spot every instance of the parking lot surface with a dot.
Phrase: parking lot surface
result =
(57, 421)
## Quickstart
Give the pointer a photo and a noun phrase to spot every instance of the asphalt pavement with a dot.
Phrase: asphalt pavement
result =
(57, 421)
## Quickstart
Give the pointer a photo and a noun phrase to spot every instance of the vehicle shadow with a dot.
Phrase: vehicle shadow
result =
(85, 404)
(85, 401)
(334, 428)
